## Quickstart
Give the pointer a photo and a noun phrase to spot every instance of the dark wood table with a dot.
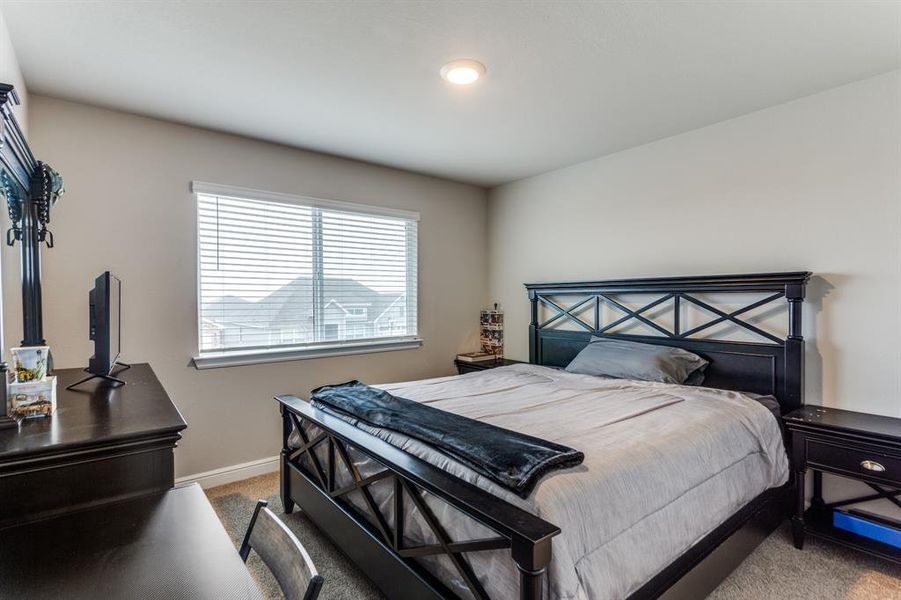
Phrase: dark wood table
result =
(162, 546)
(469, 367)
(104, 443)
(858, 446)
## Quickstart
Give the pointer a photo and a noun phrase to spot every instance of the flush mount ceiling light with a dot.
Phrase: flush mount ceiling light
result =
(462, 72)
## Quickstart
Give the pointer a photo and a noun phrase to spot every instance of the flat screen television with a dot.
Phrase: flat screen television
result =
(105, 326)
(105, 320)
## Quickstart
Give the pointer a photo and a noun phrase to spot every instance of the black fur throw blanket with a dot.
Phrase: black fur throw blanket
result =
(512, 460)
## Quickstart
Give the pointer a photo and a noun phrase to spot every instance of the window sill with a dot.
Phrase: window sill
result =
(213, 360)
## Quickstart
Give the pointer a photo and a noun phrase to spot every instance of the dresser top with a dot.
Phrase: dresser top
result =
(96, 414)
(862, 424)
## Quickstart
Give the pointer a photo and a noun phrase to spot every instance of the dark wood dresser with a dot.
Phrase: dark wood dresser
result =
(103, 444)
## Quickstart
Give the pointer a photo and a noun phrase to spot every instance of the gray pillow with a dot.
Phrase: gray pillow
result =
(607, 357)
(769, 402)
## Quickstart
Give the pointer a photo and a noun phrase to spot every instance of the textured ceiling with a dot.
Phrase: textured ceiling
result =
(566, 81)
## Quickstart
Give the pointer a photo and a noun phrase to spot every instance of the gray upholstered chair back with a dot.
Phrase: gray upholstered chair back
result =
(283, 554)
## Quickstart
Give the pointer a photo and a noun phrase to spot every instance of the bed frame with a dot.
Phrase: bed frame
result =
(310, 473)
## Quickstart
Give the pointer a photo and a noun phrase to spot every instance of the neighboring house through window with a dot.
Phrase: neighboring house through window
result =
(279, 273)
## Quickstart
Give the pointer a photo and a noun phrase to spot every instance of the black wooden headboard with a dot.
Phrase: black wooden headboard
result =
(774, 365)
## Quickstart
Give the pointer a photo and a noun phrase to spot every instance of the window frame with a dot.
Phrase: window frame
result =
(248, 356)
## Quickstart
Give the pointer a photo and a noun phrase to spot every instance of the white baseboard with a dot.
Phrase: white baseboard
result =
(231, 473)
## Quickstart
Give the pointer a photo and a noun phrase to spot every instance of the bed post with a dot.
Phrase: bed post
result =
(533, 329)
(284, 472)
(794, 347)
(532, 559)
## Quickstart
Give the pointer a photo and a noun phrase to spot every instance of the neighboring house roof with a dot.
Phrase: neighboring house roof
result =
(293, 302)
(211, 323)
(394, 304)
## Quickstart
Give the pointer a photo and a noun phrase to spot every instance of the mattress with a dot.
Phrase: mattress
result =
(664, 465)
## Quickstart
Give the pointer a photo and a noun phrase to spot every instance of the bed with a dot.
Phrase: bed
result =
(678, 484)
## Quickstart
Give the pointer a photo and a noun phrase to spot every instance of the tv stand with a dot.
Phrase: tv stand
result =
(103, 445)
(118, 382)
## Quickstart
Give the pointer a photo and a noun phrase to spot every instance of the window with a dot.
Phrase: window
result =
(357, 312)
(284, 277)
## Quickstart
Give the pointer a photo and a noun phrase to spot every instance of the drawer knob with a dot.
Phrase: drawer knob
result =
(872, 465)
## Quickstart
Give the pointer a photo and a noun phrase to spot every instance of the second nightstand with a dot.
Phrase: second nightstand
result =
(850, 444)
(469, 367)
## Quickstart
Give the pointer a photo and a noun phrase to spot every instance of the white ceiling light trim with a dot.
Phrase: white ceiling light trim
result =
(464, 71)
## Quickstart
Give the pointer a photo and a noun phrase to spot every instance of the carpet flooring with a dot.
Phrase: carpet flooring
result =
(775, 571)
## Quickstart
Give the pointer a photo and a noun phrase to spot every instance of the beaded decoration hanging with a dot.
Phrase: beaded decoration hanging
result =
(49, 187)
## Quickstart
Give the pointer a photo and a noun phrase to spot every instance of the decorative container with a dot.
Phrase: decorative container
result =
(491, 334)
(30, 363)
(32, 399)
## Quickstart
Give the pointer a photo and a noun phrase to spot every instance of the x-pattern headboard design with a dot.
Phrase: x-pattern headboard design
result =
(770, 364)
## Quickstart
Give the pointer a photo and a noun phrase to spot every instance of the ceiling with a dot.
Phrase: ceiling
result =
(566, 81)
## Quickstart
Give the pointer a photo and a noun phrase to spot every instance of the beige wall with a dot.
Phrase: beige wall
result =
(10, 73)
(128, 209)
(812, 184)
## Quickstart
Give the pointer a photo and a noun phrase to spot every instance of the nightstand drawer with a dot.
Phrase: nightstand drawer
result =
(472, 367)
(854, 461)
(464, 367)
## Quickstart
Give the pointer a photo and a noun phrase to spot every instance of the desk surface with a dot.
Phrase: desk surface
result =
(96, 413)
(166, 546)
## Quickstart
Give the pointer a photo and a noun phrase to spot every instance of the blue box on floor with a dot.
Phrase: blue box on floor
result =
(859, 525)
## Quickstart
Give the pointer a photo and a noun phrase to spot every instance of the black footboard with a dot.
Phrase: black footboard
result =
(320, 475)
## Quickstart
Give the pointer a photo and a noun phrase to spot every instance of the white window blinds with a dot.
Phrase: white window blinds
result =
(281, 272)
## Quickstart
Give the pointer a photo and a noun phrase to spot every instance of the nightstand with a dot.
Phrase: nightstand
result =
(469, 367)
(855, 445)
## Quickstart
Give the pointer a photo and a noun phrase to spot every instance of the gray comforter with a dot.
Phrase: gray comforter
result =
(664, 465)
